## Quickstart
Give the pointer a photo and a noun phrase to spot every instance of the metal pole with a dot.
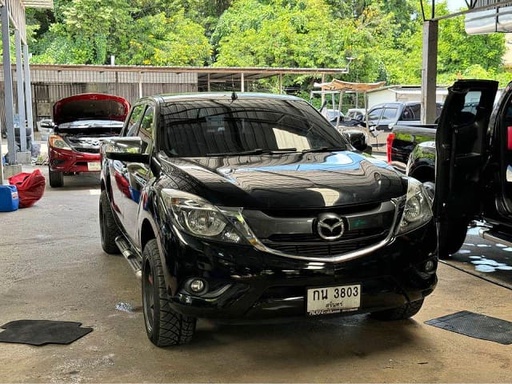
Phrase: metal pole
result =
(429, 76)
(9, 101)
(21, 93)
(1, 159)
(28, 91)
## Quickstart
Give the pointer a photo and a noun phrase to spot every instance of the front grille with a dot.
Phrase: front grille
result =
(321, 248)
(87, 150)
(304, 238)
(298, 234)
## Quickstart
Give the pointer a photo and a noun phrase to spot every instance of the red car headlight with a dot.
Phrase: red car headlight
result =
(56, 141)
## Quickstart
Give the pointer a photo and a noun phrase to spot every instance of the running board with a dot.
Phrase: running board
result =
(128, 254)
(487, 234)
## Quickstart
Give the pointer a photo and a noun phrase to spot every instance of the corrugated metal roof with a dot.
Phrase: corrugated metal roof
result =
(38, 3)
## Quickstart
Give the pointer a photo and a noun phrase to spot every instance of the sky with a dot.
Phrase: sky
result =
(455, 5)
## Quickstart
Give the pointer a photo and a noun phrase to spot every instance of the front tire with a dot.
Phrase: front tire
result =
(451, 236)
(164, 326)
(56, 179)
(400, 313)
(108, 227)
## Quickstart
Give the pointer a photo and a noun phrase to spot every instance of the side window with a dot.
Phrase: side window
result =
(146, 125)
(407, 114)
(416, 112)
(390, 113)
(439, 109)
(132, 127)
(146, 129)
(375, 114)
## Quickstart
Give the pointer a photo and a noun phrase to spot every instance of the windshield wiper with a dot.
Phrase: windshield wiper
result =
(323, 149)
(256, 151)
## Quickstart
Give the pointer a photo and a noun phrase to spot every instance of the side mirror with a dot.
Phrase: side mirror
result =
(47, 124)
(357, 139)
(126, 149)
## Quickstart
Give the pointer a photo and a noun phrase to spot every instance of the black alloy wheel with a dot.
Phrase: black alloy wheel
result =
(108, 227)
(164, 326)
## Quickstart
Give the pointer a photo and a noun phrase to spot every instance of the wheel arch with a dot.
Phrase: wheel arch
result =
(149, 232)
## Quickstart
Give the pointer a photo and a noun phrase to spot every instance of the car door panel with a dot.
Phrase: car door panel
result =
(461, 145)
(138, 175)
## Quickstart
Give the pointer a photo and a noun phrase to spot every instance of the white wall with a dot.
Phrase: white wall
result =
(402, 94)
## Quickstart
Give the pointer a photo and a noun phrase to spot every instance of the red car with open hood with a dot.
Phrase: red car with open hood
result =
(81, 122)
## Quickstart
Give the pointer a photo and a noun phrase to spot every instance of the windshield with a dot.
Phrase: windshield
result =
(211, 127)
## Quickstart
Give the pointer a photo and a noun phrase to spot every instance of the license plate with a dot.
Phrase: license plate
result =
(96, 166)
(322, 301)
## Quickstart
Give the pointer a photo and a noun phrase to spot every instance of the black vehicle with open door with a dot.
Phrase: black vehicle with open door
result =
(474, 164)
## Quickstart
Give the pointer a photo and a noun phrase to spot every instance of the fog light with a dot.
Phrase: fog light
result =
(197, 286)
(429, 266)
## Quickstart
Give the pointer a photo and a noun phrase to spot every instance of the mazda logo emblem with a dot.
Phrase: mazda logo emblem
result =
(330, 226)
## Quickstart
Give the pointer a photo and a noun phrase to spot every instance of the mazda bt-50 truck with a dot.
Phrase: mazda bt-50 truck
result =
(248, 206)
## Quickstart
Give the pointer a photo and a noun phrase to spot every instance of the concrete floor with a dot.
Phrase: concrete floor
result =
(52, 267)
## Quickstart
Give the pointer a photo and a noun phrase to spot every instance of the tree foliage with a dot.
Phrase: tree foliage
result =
(381, 39)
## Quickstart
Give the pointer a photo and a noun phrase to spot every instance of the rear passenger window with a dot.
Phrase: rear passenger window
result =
(134, 119)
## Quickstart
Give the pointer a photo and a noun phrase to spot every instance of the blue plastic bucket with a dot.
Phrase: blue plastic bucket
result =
(9, 200)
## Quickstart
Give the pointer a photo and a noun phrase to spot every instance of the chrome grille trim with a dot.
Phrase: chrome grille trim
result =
(397, 204)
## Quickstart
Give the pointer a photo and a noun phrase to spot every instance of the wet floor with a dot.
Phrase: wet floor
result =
(486, 259)
(52, 268)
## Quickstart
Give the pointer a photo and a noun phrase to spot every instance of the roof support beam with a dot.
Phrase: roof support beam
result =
(9, 100)
(429, 72)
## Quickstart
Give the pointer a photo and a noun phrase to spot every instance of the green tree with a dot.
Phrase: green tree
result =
(383, 37)
(92, 31)
(457, 51)
(162, 40)
(279, 34)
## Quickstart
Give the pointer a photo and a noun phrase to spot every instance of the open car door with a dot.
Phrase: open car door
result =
(462, 152)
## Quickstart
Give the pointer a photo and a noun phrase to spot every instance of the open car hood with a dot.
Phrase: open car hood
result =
(90, 106)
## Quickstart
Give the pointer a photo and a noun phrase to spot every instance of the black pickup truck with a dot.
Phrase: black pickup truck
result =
(469, 158)
(252, 206)
(407, 141)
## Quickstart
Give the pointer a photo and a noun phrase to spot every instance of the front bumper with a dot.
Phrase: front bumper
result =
(70, 161)
(244, 283)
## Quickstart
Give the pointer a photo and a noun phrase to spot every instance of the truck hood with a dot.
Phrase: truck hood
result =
(91, 106)
(290, 181)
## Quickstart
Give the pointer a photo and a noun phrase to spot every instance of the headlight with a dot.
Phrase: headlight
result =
(417, 209)
(198, 217)
(58, 142)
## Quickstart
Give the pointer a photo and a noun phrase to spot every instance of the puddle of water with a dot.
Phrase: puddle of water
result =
(473, 231)
(487, 262)
(485, 268)
(482, 264)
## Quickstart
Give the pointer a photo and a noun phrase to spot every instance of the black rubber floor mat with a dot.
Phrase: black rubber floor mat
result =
(476, 325)
(40, 332)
